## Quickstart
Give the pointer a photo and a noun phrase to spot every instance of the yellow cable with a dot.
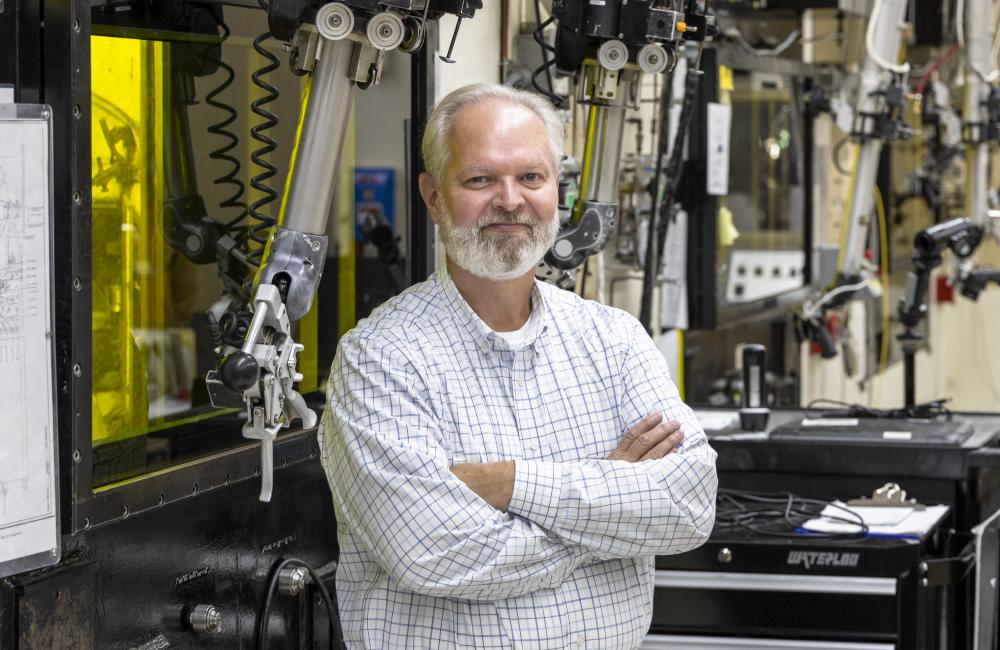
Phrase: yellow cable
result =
(883, 247)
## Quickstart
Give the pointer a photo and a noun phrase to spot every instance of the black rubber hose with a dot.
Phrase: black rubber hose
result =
(336, 635)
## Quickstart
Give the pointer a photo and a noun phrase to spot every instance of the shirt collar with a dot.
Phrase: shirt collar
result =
(486, 338)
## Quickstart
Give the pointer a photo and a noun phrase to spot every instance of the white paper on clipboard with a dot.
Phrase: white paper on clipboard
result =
(717, 176)
(29, 497)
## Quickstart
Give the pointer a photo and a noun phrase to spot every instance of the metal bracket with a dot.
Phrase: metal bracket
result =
(945, 571)
(300, 256)
(576, 241)
(890, 495)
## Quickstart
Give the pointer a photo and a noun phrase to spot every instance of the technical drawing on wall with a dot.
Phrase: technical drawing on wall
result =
(27, 487)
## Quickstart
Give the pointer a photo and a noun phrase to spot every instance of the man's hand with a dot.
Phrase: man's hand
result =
(493, 482)
(649, 439)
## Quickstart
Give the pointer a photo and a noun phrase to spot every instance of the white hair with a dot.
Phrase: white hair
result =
(438, 129)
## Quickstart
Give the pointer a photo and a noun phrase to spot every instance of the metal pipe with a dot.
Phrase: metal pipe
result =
(978, 23)
(256, 325)
(315, 160)
(861, 207)
(178, 161)
(885, 48)
(599, 178)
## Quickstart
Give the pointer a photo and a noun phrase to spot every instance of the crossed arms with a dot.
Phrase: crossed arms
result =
(492, 531)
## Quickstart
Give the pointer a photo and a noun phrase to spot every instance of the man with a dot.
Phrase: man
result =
(486, 495)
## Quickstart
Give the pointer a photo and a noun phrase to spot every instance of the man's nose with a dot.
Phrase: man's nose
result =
(508, 195)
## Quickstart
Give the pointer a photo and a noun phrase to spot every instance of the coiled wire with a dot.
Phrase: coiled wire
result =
(547, 63)
(221, 129)
(259, 231)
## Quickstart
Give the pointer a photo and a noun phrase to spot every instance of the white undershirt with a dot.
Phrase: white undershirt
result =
(517, 338)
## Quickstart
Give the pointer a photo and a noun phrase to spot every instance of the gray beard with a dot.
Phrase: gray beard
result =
(498, 256)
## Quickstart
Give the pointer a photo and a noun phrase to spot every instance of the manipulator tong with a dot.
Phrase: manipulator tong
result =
(264, 372)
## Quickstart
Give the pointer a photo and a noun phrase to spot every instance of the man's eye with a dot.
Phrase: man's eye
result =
(476, 180)
(533, 177)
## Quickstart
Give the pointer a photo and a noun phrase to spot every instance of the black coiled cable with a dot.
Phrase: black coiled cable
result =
(547, 63)
(221, 129)
(259, 231)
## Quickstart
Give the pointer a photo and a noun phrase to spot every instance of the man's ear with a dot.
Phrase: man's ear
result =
(431, 196)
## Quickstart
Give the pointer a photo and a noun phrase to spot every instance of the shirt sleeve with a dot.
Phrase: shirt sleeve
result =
(618, 509)
(388, 471)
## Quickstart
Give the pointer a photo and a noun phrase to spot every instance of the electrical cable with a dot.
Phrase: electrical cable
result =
(777, 50)
(933, 66)
(837, 148)
(259, 232)
(833, 293)
(657, 186)
(925, 410)
(539, 35)
(221, 129)
(676, 163)
(781, 514)
(663, 210)
(829, 36)
(272, 586)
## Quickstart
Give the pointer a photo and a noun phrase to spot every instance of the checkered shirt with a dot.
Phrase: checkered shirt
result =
(424, 562)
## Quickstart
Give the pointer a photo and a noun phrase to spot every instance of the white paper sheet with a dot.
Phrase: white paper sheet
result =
(28, 496)
(889, 521)
(717, 420)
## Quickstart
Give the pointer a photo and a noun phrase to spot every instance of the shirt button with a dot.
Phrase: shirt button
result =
(579, 641)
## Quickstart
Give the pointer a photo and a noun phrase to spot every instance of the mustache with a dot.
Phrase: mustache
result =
(522, 217)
